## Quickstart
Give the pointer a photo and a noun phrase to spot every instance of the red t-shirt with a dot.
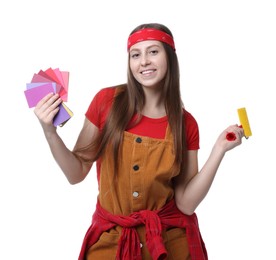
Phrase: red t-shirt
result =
(151, 127)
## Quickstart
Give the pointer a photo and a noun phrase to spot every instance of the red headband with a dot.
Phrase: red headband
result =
(150, 34)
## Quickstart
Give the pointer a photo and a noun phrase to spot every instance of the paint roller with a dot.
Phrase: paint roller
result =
(244, 123)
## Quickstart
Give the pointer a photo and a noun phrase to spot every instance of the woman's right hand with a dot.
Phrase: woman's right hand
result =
(46, 109)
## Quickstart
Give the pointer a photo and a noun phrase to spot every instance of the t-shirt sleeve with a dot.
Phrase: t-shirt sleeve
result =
(100, 106)
(192, 131)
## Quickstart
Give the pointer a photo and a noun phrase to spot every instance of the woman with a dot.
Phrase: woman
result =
(145, 145)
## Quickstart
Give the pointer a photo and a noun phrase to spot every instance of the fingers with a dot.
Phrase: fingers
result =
(234, 132)
(48, 99)
(231, 137)
(47, 108)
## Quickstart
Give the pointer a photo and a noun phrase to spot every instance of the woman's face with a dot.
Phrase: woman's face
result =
(148, 63)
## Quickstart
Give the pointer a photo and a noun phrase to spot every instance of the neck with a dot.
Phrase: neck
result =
(154, 105)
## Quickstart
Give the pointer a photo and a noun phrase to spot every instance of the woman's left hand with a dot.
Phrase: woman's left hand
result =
(230, 137)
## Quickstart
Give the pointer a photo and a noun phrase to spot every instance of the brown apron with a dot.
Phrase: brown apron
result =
(143, 182)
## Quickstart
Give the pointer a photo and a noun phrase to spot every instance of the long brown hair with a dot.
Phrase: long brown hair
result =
(129, 100)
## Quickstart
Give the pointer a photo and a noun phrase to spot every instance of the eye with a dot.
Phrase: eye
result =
(134, 55)
(153, 52)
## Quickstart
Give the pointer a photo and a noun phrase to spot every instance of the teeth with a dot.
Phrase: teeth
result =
(147, 71)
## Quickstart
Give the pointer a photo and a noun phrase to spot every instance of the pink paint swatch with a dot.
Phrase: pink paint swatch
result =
(50, 81)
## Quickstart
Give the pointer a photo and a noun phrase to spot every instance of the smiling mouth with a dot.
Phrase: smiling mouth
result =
(146, 72)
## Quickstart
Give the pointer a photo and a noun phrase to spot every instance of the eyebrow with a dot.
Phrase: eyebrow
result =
(153, 45)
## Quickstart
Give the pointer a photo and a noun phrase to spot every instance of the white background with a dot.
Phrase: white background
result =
(227, 55)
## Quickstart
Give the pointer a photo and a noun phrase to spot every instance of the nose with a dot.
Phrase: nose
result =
(145, 60)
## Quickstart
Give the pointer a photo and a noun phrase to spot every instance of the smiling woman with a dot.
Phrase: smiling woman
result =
(145, 145)
(148, 63)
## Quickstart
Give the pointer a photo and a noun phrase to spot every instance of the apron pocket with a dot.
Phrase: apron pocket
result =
(175, 241)
(105, 248)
